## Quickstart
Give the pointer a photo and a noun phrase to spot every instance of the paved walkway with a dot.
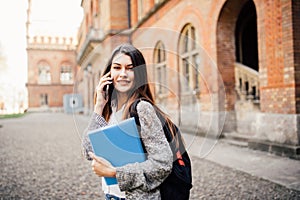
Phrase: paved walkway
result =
(280, 170)
(41, 159)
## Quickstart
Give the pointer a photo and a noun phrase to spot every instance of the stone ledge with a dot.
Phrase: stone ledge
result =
(237, 136)
(236, 139)
(285, 150)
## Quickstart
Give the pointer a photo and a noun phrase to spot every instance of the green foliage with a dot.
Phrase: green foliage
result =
(6, 116)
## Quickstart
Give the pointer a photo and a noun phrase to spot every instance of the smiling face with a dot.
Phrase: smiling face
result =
(122, 73)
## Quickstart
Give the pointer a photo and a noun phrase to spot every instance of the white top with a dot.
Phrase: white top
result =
(115, 118)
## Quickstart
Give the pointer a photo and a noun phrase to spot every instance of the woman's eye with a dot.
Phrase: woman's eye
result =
(129, 67)
(116, 67)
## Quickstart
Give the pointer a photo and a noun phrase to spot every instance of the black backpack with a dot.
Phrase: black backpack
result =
(178, 184)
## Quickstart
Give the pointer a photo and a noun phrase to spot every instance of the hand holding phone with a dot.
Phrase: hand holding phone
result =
(102, 90)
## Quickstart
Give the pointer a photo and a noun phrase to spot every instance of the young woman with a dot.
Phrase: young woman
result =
(126, 78)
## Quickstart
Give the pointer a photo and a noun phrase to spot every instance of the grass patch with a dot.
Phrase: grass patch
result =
(7, 116)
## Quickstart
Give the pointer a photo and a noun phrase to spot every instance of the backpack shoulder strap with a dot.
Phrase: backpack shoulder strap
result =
(177, 150)
(133, 112)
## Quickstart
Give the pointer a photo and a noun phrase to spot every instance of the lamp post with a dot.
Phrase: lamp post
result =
(88, 90)
(89, 69)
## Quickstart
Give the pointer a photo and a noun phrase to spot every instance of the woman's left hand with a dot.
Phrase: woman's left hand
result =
(102, 167)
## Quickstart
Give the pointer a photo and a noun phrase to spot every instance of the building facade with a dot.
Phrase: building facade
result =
(51, 69)
(219, 68)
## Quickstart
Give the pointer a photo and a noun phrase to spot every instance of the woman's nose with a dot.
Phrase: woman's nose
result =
(123, 72)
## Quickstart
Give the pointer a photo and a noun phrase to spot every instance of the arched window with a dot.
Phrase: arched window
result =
(66, 74)
(44, 73)
(160, 68)
(189, 59)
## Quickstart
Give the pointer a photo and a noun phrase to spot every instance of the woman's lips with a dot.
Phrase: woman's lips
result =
(123, 82)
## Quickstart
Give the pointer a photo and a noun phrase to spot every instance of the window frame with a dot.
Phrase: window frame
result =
(44, 73)
(66, 74)
(160, 69)
(188, 66)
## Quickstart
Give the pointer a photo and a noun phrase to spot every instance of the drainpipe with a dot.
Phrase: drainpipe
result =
(129, 20)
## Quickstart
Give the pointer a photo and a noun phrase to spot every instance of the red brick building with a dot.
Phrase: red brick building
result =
(51, 69)
(218, 67)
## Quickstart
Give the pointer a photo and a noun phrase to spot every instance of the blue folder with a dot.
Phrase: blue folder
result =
(120, 144)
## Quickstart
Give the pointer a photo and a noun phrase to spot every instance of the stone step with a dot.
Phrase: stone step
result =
(235, 142)
(291, 151)
(236, 139)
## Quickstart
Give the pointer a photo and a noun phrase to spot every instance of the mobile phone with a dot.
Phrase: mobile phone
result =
(106, 89)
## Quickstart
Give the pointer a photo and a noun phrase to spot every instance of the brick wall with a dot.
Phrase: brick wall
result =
(54, 90)
(119, 16)
(296, 47)
(55, 94)
(277, 59)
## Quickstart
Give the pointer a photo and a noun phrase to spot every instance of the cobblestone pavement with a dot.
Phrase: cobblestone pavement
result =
(41, 159)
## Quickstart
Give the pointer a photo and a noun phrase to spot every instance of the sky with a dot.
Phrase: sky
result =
(48, 17)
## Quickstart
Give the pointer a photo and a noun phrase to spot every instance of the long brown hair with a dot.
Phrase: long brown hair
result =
(141, 89)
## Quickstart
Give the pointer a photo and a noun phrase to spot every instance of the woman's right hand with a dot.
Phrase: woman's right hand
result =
(102, 167)
(100, 98)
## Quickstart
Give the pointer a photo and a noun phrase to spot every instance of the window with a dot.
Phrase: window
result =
(186, 72)
(43, 99)
(44, 73)
(160, 68)
(196, 68)
(66, 75)
(189, 59)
